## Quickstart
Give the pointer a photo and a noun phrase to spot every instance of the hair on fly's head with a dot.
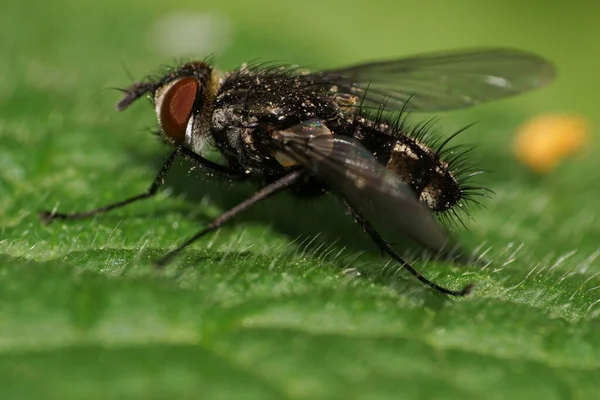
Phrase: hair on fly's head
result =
(165, 74)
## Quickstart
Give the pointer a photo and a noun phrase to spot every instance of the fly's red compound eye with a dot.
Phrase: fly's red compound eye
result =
(174, 104)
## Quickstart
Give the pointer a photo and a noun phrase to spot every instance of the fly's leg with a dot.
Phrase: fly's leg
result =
(386, 248)
(265, 192)
(49, 216)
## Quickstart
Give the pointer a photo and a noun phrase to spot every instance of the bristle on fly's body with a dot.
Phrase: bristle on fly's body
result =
(439, 173)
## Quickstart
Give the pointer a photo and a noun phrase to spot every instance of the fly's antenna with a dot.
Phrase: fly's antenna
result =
(134, 92)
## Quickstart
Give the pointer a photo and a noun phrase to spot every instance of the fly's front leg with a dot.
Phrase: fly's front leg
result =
(49, 216)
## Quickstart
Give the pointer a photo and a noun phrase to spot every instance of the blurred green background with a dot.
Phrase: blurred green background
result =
(262, 308)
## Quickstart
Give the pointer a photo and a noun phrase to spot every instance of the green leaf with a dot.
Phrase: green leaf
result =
(271, 306)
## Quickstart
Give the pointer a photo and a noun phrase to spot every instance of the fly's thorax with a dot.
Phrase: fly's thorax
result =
(251, 105)
(430, 178)
(183, 105)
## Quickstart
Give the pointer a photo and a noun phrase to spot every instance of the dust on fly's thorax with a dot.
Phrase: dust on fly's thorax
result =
(279, 96)
(248, 104)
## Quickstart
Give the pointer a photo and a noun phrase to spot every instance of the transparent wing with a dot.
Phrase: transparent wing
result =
(352, 171)
(444, 81)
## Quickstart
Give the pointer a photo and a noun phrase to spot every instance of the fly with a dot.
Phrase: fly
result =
(338, 130)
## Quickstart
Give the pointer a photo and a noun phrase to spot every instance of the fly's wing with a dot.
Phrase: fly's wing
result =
(444, 81)
(352, 171)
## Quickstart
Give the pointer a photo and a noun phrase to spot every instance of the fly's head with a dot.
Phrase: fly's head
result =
(180, 99)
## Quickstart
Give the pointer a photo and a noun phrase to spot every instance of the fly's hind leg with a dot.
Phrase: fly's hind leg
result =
(385, 247)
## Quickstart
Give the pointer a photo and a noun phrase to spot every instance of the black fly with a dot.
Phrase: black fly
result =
(311, 132)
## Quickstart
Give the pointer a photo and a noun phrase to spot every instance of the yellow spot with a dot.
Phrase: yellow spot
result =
(544, 141)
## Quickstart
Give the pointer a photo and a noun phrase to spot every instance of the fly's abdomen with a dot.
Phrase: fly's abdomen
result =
(416, 163)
